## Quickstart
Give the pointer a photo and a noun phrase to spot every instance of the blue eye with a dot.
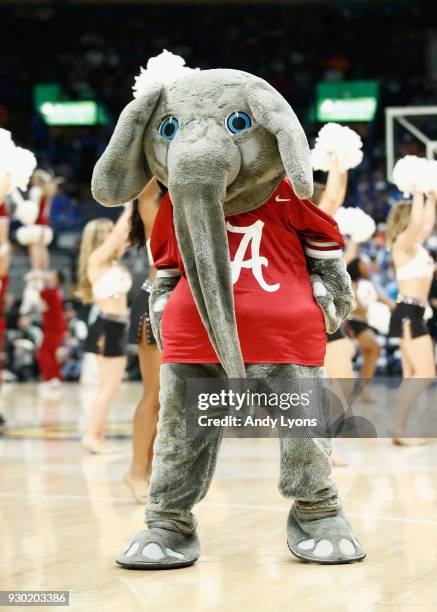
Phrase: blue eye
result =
(238, 122)
(168, 128)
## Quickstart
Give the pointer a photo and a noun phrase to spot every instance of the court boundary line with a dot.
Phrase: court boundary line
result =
(375, 517)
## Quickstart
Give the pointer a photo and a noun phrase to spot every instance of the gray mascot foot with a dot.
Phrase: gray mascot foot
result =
(157, 549)
(329, 540)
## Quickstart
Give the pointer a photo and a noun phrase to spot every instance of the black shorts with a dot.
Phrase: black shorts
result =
(414, 313)
(356, 327)
(140, 312)
(106, 337)
(337, 335)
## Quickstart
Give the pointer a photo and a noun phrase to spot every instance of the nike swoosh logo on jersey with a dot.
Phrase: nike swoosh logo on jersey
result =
(278, 199)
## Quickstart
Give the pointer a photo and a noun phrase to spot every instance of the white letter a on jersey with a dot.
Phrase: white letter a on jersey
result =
(252, 235)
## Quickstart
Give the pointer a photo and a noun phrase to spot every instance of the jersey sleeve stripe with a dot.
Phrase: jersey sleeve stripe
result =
(323, 254)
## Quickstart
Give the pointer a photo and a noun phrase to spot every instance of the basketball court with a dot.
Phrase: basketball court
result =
(66, 514)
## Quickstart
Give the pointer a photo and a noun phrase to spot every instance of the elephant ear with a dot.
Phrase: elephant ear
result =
(273, 112)
(121, 173)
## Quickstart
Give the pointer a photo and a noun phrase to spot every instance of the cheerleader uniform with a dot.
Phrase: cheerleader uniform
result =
(409, 308)
(37, 196)
(140, 312)
(4, 213)
(366, 295)
(107, 335)
(54, 327)
(337, 335)
(356, 327)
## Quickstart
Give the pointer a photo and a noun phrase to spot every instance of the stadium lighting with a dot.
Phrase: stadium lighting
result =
(84, 112)
(347, 101)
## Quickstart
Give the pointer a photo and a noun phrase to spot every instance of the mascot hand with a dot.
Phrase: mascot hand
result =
(159, 296)
(332, 290)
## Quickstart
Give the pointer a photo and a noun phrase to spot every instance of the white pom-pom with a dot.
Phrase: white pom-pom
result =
(432, 171)
(320, 159)
(5, 139)
(164, 69)
(29, 234)
(429, 313)
(47, 235)
(16, 162)
(343, 218)
(22, 165)
(6, 148)
(27, 212)
(378, 316)
(340, 142)
(366, 293)
(412, 173)
(35, 194)
(357, 224)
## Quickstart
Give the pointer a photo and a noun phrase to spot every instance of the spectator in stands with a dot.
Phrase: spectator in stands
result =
(21, 345)
(64, 215)
(73, 344)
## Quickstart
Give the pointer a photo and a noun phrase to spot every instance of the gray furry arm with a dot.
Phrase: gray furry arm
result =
(332, 290)
(159, 296)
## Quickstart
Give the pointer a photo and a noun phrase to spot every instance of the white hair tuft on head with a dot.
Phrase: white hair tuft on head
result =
(164, 69)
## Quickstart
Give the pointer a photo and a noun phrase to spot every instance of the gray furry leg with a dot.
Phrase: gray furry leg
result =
(305, 462)
(182, 472)
(182, 468)
(317, 529)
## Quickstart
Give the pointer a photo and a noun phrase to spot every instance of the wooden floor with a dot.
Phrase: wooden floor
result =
(64, 516)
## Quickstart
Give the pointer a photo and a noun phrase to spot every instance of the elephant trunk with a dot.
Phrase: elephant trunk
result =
(201, 233)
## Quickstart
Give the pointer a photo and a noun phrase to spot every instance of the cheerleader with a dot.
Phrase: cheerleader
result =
(5, 187)
(140, 333)
(408, 227)
(358, 326)
(104, 281)
(340, 350)
(4, 271)
(16, 167)
(53, 326)
(337, 150)
(6, 146)
(43, 188)
(4, 282)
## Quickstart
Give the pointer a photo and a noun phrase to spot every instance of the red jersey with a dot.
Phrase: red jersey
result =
(4, 283)
(53, 317)
(277, 317)
(43, 218)
(43, 202)
(3, 210)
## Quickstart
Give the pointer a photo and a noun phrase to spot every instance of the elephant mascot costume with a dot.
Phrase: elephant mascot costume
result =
(237, 165)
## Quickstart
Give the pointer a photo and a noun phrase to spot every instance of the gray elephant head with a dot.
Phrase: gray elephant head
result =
(221, 140)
